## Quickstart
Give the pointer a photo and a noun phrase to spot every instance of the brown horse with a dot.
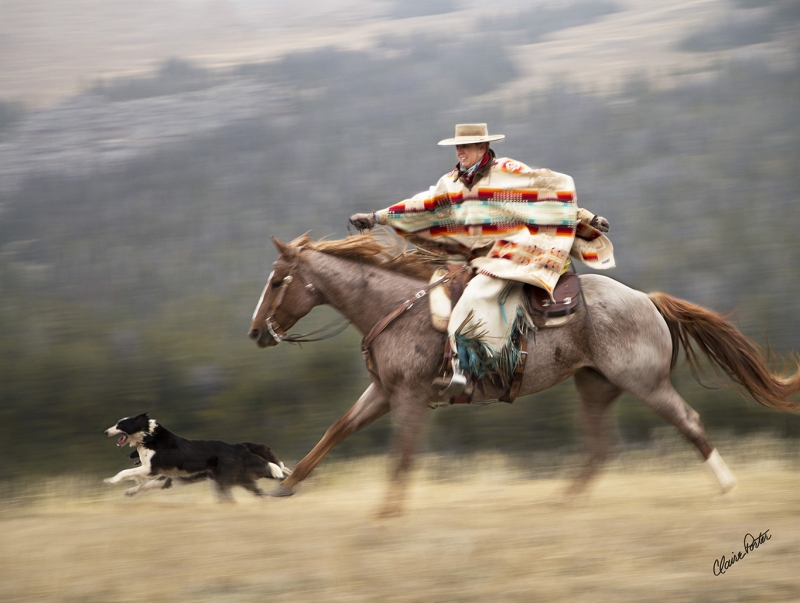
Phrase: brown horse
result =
(620, 340)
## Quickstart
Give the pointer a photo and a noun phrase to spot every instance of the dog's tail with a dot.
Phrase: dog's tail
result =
(278, 471)
(275, 468)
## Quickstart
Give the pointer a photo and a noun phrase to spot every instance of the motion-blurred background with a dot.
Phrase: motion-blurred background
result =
(148, 149)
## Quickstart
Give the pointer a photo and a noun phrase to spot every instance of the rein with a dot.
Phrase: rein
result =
(305, 337)
(273, 326)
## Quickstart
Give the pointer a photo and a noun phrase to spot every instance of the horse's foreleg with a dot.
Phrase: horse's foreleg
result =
(372, 405)
(596, 394)
(408, 419)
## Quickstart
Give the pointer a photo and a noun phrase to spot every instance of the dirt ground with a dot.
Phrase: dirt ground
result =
(477, 529)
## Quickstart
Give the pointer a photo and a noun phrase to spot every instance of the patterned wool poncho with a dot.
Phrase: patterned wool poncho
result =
(529, 217)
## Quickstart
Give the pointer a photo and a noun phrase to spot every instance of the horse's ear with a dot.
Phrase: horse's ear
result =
(281, 247)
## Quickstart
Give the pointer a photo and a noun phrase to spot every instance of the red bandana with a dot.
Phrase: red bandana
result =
(468, 177)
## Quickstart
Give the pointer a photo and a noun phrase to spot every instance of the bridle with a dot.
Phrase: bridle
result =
(274, 328)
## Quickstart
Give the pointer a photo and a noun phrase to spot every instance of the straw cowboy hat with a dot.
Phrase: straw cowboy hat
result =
(471, 133)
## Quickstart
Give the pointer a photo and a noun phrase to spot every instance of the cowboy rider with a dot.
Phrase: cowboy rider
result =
(514, 224)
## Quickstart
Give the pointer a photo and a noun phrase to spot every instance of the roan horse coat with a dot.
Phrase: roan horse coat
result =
(620, 340)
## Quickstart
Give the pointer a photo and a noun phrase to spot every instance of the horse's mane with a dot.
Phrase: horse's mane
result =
(378, 248)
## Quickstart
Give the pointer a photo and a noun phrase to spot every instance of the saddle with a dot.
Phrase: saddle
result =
(545, 312)
(558, 311)
(444, 297)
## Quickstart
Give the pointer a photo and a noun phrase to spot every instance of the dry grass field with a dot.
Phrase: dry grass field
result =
(476, 529)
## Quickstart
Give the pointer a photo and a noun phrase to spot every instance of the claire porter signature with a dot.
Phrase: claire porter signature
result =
(751, 543)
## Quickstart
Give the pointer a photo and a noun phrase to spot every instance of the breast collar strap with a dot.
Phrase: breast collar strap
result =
(394, 314)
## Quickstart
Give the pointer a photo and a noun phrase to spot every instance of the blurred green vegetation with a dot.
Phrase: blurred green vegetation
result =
(131, 289)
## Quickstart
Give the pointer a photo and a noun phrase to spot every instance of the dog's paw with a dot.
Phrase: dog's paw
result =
(131, 491)
(109, 480)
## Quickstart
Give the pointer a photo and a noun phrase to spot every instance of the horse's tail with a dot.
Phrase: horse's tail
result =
(739, 357)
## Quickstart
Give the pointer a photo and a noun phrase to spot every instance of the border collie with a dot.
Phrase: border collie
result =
(162, 457)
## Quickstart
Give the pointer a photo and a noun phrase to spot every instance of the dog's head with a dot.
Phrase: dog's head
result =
(131, 430)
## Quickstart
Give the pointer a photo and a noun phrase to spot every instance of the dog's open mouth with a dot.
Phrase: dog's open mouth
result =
(122, 439)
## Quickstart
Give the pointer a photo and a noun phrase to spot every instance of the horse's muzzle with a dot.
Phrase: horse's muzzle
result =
(262, 338)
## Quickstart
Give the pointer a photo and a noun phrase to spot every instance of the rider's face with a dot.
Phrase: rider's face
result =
(470, 154)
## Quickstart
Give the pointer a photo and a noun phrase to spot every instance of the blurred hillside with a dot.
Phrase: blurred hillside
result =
(51, 49)
(135, 214)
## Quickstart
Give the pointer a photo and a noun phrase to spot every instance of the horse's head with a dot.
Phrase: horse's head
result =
(287, 297)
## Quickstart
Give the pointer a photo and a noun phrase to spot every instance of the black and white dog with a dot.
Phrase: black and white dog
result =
(162, 457)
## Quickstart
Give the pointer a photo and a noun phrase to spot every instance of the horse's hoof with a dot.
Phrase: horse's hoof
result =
(728, 485)
(281, 490)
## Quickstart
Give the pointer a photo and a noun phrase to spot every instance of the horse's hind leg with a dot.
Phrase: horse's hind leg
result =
(670, 406)
(372, 405)
(597, 394)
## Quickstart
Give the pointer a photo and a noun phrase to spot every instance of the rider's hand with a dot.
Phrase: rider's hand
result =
(600, 223)
(363, 221)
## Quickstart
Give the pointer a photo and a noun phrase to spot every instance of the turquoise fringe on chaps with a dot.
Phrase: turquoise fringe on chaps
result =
(478, 359)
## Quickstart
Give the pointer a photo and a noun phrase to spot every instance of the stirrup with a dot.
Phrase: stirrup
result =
(453, 388)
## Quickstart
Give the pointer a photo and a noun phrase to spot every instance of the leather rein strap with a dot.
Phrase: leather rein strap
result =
(401, 309)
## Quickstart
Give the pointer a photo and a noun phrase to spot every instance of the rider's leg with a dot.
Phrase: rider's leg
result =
(484, 317)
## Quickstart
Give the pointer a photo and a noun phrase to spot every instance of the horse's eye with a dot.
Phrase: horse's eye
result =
(276, 284)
